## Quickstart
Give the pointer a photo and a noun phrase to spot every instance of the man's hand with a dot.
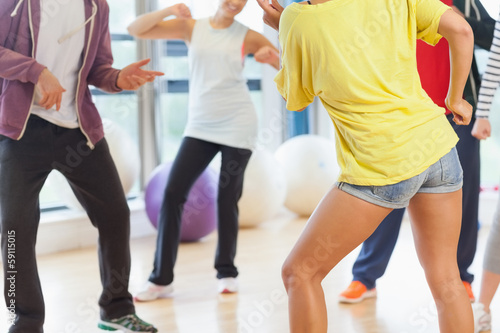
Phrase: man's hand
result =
(133, 77)
(462, 111)
(272, 12)
(50, 89)
(481, 129)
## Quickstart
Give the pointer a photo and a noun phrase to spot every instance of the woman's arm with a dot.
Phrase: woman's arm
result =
(153, 25)
(460, 38)
(262, 49)
(268, 55)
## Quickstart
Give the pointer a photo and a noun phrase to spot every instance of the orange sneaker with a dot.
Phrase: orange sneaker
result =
(356, 292)
(468, 288)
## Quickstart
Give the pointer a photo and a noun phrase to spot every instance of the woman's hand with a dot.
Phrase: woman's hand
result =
(272, 12)
(462, 111)
(154, 26)
(268, 55)
(181, 11)
(481, 129)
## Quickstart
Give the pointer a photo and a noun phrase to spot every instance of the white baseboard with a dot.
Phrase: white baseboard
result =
(70, 229)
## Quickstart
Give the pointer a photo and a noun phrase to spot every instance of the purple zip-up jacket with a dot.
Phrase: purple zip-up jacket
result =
(19, 71)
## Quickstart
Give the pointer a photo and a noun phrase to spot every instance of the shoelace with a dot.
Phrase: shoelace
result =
(137, 323)
(134, 321)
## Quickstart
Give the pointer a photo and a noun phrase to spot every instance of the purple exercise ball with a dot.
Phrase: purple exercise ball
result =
(199, 217)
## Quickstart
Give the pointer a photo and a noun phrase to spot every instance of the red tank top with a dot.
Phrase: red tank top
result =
(433, 63)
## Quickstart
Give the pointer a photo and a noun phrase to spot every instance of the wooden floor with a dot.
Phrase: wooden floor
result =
(71, 285)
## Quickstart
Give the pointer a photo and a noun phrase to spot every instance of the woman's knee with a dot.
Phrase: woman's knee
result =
(445, 283)
(295, 273)
(290, 275)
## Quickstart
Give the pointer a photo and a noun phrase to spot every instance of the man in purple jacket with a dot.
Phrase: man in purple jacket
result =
(48, 57)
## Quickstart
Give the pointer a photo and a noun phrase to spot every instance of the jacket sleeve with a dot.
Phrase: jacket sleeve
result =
(491, 78)
(13, 65)
(482, 28)
(102, 75)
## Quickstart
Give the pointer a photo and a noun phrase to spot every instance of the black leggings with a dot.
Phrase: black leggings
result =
(193, 157)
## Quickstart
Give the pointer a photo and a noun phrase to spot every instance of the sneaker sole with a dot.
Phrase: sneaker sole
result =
(166, 294)
(105, 326)
(368, 294)
(137, 299)
(484, 327)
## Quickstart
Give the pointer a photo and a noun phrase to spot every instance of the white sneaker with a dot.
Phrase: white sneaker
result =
(227, 285)
(152, 291)
(482, 319)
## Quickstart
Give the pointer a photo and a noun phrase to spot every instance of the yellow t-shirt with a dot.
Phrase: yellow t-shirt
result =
(359, 58)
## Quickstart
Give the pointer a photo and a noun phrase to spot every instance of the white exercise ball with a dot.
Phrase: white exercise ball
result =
(125, 155)
(264, 189)
(124, 152)
(310, 166)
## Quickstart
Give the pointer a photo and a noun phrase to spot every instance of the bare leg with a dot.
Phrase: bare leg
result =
(491, 263)
(436, 229)
(338, 225)
(489, 286)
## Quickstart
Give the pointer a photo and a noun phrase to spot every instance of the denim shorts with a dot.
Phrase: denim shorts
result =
(444, 176)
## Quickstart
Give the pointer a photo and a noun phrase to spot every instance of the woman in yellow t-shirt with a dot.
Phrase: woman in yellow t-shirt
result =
(395, 147)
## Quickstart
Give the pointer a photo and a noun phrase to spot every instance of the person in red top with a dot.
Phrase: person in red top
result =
(434, 68)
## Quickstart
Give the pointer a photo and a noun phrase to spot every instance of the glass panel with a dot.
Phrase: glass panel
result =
(173, 120)
(175, 68)
(122, 12)
(124, 52)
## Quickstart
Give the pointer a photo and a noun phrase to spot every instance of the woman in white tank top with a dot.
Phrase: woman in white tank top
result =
(221, 118)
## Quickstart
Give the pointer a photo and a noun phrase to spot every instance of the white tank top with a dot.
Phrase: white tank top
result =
(220, 107)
